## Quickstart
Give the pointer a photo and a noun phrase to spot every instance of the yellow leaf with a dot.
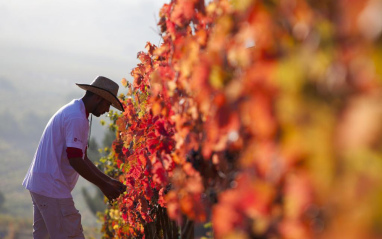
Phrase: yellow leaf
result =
(216, 77)
(211, 8)
(242, 5)
(124, 82)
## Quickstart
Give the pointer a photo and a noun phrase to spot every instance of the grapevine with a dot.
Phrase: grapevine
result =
(262, 117)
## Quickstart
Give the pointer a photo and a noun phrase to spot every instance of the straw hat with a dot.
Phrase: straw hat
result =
(105, 88)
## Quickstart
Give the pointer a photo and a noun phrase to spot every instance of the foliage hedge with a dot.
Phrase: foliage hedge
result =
(262, 117)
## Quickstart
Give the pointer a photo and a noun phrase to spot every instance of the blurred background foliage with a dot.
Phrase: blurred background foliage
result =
(270, 113)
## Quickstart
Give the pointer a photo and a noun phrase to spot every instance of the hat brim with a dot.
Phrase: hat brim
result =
(107, 95)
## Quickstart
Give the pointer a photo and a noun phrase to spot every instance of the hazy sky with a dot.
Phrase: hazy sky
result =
(58, 42)
(48, 45)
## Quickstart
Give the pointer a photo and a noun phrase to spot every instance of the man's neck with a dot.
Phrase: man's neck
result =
(87, 106)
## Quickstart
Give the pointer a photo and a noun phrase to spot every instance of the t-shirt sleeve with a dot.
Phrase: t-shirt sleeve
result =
(74, 152)
(76, 133)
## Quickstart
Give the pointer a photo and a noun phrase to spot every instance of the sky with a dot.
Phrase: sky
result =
(46, 46)
(64, 41)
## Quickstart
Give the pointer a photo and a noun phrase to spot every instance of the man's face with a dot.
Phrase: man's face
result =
(102, 107)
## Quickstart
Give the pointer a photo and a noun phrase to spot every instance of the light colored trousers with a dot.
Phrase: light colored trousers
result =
(55, 218)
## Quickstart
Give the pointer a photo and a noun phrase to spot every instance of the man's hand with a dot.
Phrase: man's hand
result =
(110, 187)
(122, 187)
(113, 189)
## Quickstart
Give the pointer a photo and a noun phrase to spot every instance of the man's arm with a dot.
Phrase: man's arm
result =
(111, 188)
(102, 175)
(96, 170)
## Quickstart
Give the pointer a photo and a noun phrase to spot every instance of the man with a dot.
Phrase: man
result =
(61, 157)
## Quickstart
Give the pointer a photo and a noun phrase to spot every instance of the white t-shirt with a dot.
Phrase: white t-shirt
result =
(50, 173)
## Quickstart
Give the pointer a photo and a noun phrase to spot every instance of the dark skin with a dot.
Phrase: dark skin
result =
(110, 187)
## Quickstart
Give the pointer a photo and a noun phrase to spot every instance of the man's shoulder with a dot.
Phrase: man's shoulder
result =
(73, 110)
(71, 113)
